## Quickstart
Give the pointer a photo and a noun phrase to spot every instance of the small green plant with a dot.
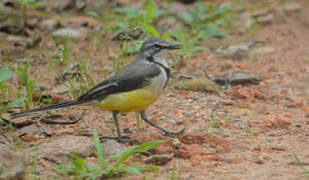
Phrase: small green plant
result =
(104, 20)
(108, 166)
(175, 173)
(5, 75)
(188, 42)
(212, 121)
(305, 170)
(203, 22)
(247, 131)
(26, 87)
(82, 81)
(129, 17)
(24, 5)
(62, 53)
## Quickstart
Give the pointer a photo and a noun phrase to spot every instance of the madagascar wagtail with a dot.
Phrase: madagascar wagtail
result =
(133, 88)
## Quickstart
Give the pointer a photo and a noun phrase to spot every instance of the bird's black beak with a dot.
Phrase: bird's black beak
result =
(174, 46)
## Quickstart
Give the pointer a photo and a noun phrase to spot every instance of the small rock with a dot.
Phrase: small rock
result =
(10, 164)
(68, 33)
(32, 129)
(60, 5)
(198, 84)
(186, 77)
(292, 7)
(236, 51)
(4, 27)
(76, 22)
(265, 50)
(56, 149)
(280, 122)
(80, 5)
(236, 78)
(257, 159)
(50, 24)
(275, 161)
(278, 148)
(99, 6)
(267, 19)
(58, 119)
(159, 159)
(227, 102)
(24, 42)
(32, 22)
(17, 122)
(178, 8)
(16, 39)
(111, 147)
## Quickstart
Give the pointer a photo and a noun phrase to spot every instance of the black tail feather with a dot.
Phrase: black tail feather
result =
(47, 108)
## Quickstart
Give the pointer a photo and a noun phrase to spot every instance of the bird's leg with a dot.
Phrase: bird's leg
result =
(167, 132)
(115, 113)
(119, 138)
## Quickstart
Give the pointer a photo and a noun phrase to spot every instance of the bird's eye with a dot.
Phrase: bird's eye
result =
(156, 45)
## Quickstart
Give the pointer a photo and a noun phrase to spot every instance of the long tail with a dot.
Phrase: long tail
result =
(47, 108)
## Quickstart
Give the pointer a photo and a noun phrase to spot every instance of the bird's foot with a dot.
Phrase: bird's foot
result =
(174, 133)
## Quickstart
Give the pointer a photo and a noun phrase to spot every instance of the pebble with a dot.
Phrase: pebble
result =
(292, 7)
(235, 50)
(159, 159)
(236, 132)
(267, 19)
(111, 147)
(50, 25)
(275, 161)
(68, 33)
(278, 148)
(265, 50)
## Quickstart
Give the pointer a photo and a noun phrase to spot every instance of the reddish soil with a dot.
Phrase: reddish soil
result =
(258, 127)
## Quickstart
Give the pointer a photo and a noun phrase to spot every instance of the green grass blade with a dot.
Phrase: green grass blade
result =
(98, 148)
(5, 73)
(148, 17)
(300, 164)
(16, 101)
(151, 30)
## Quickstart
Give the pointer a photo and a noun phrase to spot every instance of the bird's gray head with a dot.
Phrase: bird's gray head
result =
(152, 46)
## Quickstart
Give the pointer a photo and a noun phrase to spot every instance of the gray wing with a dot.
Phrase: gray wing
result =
(134, 76)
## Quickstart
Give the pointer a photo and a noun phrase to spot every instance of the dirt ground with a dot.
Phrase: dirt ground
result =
(258, 127)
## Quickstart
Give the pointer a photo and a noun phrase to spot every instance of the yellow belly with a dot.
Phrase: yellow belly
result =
(136, 100)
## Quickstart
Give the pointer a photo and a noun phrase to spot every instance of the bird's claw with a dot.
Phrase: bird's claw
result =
(174, 133)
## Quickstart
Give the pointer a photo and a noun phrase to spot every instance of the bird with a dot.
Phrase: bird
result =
(132, 89)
